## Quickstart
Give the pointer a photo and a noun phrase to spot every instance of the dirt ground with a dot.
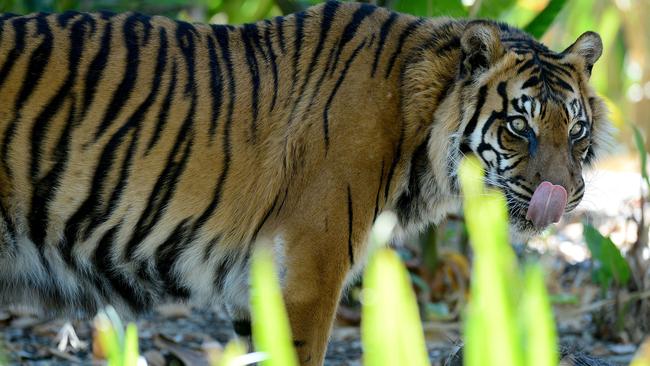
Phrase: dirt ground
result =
(178, 335)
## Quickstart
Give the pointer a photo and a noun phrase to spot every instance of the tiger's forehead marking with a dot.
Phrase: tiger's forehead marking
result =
(542, 72)
(535, 109)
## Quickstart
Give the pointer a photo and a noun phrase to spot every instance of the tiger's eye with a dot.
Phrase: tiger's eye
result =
(577, 130)
(518, 125)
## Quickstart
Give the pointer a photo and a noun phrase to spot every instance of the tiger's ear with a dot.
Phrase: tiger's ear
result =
(481, 46)
(589, 47)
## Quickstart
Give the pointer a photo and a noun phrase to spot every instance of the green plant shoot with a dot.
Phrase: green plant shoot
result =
(492, 306)
(541, 336)
(120, 348)
(509, 320)
(271, 331)
(231, 355)
(391, 330)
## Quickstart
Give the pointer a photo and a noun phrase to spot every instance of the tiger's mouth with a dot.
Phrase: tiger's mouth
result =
(530, 216)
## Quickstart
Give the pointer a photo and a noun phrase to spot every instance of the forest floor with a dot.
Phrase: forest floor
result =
(585, 314)
(178, 335)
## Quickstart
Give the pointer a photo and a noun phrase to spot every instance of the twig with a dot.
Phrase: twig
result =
(602, 303)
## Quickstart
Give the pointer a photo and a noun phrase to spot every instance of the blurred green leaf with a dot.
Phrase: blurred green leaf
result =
(538, 26)
(610, 264)
(271, 331)
(431, 8)
(643, 154)
(119, 347)
(131, 354)
(565, 299)
(493, 9)
(437, 311)
(231, 355)
(608, 27)
(541, 337)
(391, 330)
(642, 357)
(494, 279)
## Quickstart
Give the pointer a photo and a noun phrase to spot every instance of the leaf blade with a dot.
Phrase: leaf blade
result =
(540, 24)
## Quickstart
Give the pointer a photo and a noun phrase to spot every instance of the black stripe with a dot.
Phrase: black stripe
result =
(279, 26)
(209, 248)
(393, 165)
(133, 43)
(9, 62)
(96, 69)
(319, 83)
(531, 82)
(350, 223)
(329, 12)
(165, 186)
(134, 122)
(264, 219)
(350, 30)
(297, 46)
(45, 187)
(222, 38)
(248, 32)
(163, 113)
(526, 65)
(17, 50)
(185, 33)
(242, 327)
(400, 43)
(37, 63)
(226, 262)
(408, 204)
(64, 18)
(383, 33)
(216, 87)
(119, 281)
(284, 200)
(452, 44)
(381, 181)
(334, 91)
(272, 60)
(163, 190)
(166, 255)
(471, 125)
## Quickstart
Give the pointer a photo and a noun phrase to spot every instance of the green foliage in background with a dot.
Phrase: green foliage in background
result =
(609, 265)
(509, 320)
(643, 154)
(538, 26)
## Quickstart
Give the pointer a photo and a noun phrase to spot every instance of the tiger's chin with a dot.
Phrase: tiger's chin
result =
(520, 229)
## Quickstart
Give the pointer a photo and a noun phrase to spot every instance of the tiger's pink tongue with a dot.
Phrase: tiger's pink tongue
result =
(547, 204)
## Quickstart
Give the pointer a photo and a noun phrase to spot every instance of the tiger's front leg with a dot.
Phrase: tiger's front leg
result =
(316, 269)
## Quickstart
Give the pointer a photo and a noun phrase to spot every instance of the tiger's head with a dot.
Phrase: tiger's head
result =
(531, 118)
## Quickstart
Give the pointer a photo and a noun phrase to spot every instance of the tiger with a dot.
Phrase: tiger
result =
(145, 159)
